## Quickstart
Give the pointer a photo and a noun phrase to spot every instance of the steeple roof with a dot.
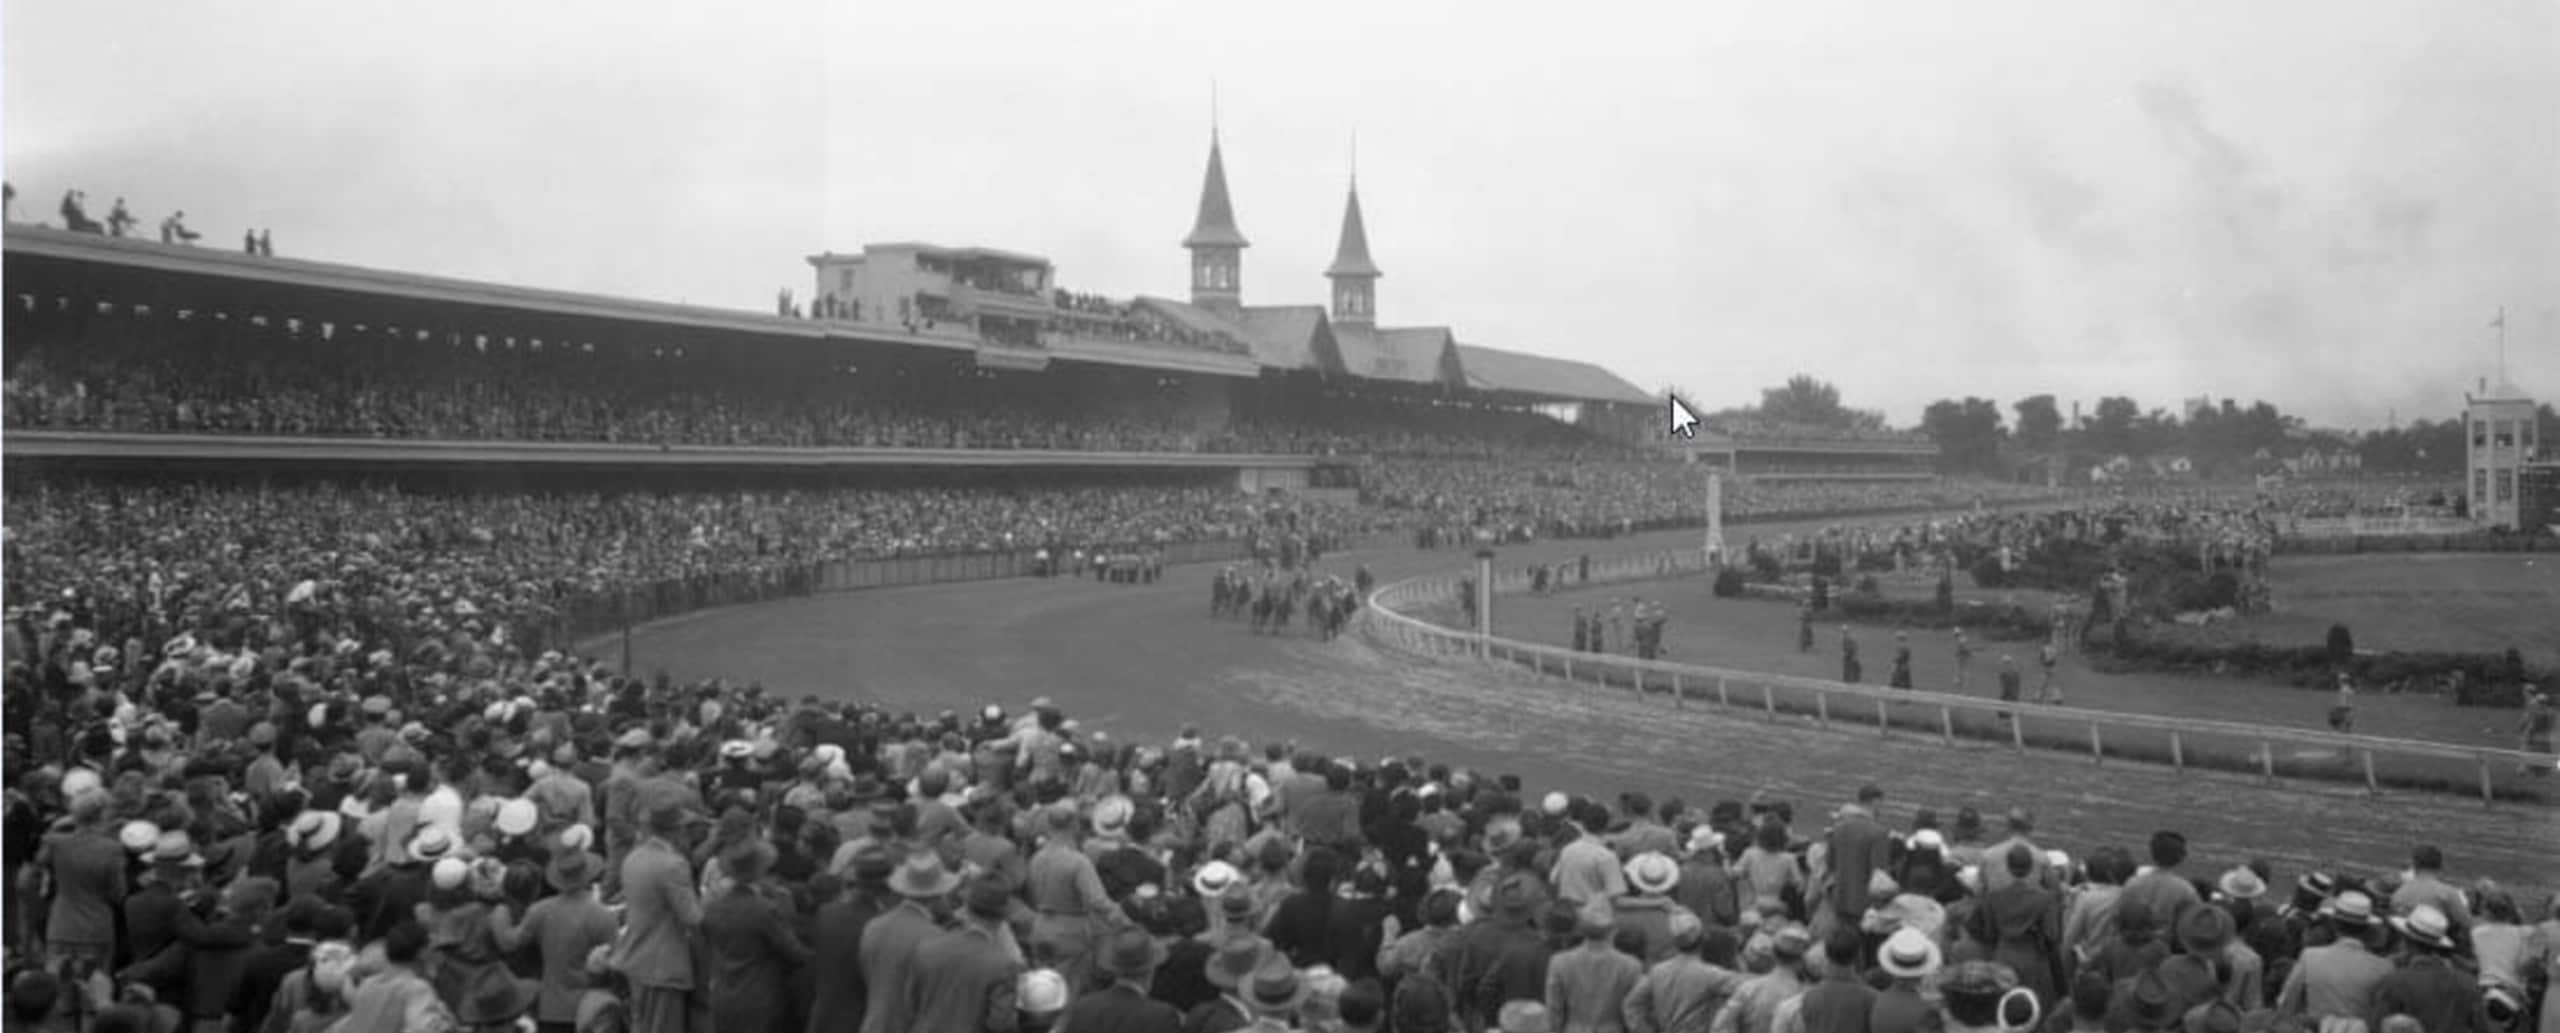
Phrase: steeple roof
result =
(1216, 226)
(1351, 256)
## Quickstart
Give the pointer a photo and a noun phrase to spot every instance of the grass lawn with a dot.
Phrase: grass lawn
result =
(2391, 602)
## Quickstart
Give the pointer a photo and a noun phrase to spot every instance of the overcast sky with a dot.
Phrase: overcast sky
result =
(2322, 203)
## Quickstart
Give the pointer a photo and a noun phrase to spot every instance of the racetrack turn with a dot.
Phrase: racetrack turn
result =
(1144, 660)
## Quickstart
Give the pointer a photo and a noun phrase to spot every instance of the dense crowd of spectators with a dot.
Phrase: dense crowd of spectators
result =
(1521, 499)
(393, 557)
(1749, 428)
(249, 825)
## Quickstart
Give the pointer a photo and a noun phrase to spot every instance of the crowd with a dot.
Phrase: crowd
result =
(1520, 500)
(255, 828)
(407, 565)
(1749, 428)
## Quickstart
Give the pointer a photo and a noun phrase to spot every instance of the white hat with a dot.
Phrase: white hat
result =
(1651, 872)
(314, 830)
(577, 837)
(1909, 954)
(1112, 815)
(1042, 991)
(1704, 839)
(2060, 861)
(79, 780)
(517, 816)
(1928, 839)
(1556, 803)
(737, 749)
(1214, 879)
(1970, 877)
(138, 836)
(431, 843)
(451, 872)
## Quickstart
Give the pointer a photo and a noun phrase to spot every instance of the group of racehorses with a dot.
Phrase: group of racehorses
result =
(1270, 597)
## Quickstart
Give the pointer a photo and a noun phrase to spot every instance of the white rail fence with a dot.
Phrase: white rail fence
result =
(2273, 752)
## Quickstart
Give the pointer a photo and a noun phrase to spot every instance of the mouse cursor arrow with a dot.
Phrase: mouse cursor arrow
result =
(1683, 422)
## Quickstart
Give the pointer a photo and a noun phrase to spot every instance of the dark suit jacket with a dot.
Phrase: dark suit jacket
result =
(1120, 1009)
(837, 970)
(963, 982)
(888, 961)
(1859, 847)
(752, 952)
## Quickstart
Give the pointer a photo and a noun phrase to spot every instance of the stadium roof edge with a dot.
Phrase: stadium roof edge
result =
(294, 272)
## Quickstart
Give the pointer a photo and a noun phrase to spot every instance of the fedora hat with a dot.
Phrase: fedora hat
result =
(1236, 959)
(2427, 926)
(1275, 988)
(2350, 908)
(572, 870)
(923, 876)
(2149, 1003)
(315, 830)
(1790, 941)
(1652, 873)
(1214, 879)
(430, 844)
(499, 998)
(2204, 929)
(2241, 884)
(174, 848)
(1131, 954)
(1909, 954)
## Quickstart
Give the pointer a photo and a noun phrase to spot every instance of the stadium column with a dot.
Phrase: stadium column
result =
(1484, 603)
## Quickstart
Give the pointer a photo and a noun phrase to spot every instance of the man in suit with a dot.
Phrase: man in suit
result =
(1858, 847)
(889, 943)
(841, 993)
(751, 945)
(964, 978)
(1130, 958)
(660, 915)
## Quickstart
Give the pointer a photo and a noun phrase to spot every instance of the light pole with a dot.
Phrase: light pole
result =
(1484, 601)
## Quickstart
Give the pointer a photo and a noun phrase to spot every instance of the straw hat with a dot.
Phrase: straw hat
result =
(1910, 954)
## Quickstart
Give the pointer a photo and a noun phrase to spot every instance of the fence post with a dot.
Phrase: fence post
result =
(2177, 751)
(1568, 668)
(1679, 692)
(1947, 724)
(1884, 720)
(2267, 759)
(1769, 702)
(2097, 752)
(2488, 792)
(2017, 734)
(2371, 783)
(1723, 696)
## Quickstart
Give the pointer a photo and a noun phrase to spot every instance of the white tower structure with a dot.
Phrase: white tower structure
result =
(2499, 437)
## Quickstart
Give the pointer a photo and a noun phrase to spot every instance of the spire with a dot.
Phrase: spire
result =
(1216, 226)
(1351, 256)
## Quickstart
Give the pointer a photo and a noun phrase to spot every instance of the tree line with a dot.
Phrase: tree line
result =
(1978, 435)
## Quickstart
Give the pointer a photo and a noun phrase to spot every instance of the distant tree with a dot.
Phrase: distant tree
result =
(2039, 423)
(2342, 645)
(1806, 400)
(2111, 429)
(1968, 434)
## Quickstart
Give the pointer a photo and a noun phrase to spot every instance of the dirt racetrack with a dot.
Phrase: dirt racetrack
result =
(1143, 661)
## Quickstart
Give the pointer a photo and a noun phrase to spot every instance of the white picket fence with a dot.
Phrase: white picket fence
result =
(2272, 751)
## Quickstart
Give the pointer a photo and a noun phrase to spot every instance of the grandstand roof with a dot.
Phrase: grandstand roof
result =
(957, 253)
(1492, 369)
(1416, 356)
(132, 253)
(1216, 225)
(1292, 337)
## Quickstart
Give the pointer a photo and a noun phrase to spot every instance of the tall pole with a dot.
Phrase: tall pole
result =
(1715, 520)
(1484, 602)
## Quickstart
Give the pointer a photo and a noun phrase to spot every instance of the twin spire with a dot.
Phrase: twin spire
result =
(1216, 246)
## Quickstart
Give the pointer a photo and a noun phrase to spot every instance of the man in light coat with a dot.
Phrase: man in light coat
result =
(889, 943)
(660, 915)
